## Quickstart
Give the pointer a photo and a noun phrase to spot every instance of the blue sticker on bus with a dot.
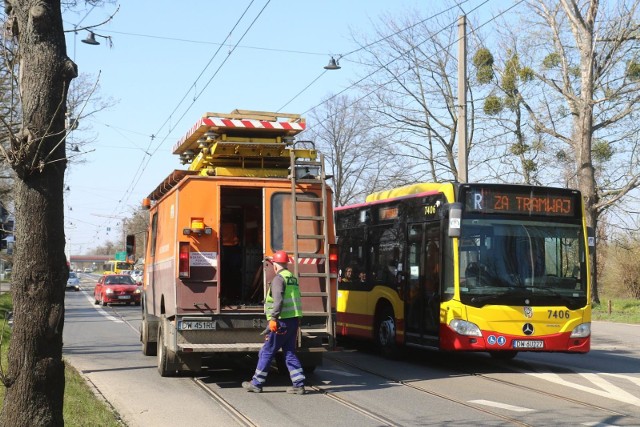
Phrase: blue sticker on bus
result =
(491, 340)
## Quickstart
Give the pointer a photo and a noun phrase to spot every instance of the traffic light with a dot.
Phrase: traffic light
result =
(131, 246)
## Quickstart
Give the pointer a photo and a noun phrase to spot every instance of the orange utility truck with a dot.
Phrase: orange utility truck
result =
(250, 190)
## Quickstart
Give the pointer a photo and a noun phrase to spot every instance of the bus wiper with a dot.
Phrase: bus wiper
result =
(567, 301)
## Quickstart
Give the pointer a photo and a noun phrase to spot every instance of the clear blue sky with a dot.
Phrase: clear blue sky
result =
(149, 71)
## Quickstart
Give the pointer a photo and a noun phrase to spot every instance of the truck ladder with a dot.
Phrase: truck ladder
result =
(312, 172)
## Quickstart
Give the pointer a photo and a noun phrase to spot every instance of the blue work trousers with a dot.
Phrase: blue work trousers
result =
(274, 342)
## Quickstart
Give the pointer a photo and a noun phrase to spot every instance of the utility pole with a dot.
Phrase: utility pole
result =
(463, 169)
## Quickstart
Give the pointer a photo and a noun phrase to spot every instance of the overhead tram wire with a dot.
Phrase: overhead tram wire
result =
(203, 70)
(371, 44)
(268, 49)
(147, 156)
(143, 166)
(388, 63)
(145, 161)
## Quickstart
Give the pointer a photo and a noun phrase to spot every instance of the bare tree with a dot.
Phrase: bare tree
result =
(412, 87)
(34, 379)
(591, 92)
(508, 81)
(358, 156)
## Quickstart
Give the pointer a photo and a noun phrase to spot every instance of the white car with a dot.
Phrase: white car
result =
(73, 283)
(137, 275)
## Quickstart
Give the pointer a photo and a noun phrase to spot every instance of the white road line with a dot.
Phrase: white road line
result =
(100, 310)
(606, 389)
(597, 424)
(501, 405)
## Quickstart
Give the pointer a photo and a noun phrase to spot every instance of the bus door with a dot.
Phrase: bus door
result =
(422, 296)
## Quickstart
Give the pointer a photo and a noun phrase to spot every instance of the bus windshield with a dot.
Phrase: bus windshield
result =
(522, 262)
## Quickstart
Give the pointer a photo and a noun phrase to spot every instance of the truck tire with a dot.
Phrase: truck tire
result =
(149, 348)
(166, 367)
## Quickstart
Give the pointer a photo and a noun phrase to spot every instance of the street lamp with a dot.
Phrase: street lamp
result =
(333, 64)
(91, 39)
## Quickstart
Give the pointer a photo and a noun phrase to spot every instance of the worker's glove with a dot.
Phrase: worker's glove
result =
(273, 325)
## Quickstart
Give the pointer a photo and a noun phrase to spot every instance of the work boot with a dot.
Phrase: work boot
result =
(249, 386)
(296, 390)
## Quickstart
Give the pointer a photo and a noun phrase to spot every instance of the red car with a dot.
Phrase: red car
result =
(116, 288)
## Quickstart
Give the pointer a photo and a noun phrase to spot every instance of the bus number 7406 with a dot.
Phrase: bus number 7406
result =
(558, 314)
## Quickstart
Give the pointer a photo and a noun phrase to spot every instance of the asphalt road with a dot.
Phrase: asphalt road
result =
(356, 387)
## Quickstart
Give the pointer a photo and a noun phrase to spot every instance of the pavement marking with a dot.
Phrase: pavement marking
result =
(500, 405)
(597, 424)
(605, 388)
(342, 373)
(99, 309)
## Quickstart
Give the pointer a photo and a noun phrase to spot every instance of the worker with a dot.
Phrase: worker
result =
(283, 307)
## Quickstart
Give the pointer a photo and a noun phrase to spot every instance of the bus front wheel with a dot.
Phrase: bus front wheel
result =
(386, 333)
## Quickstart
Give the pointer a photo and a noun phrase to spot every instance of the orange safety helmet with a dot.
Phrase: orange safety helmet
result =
(280, 257)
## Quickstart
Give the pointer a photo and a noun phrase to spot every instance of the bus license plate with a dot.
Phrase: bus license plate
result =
(196, 326)
(528, 344)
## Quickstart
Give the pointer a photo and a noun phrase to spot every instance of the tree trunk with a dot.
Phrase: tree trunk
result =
(35, 375)
(583, 122)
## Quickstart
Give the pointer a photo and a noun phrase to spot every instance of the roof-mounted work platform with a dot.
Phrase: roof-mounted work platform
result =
(243, 143)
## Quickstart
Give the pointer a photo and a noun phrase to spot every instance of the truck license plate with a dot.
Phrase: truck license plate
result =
(528, 344)
(196, 326)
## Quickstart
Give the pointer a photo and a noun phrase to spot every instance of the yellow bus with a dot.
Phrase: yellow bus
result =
(116, 267)
(466, 267)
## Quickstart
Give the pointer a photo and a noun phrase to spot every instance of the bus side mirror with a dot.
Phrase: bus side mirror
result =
(591, 239)
(455, 217)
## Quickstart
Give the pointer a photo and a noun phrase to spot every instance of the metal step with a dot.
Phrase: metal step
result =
(311, 255)
(314, 294)
(309, 218)
(222, 348)
(315, 314)
(310, 236)
(313, 274)
(308, 199)
(315, 331)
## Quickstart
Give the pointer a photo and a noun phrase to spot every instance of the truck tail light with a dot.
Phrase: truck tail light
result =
(333, 259)
(183, 260)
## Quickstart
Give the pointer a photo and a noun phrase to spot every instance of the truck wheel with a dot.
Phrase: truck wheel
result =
(164, 356)
(149, 348)
(386, 333)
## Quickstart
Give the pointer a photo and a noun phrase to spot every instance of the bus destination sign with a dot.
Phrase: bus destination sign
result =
(515, 201)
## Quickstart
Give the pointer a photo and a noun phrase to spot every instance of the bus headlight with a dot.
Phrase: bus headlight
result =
(463, 327)
(581, 331)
